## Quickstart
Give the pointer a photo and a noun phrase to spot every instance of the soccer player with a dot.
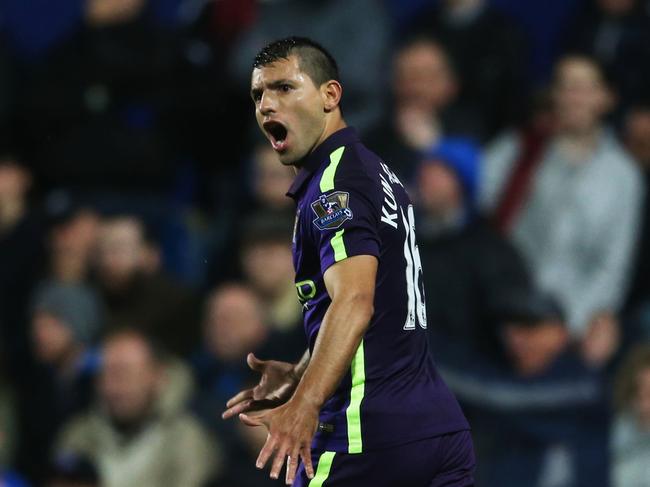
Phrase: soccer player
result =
(365, 405)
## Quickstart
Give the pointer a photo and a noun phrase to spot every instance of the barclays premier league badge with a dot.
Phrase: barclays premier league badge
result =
(332, 210)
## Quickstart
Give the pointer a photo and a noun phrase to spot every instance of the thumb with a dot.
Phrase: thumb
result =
(250, 420)
(254, 363)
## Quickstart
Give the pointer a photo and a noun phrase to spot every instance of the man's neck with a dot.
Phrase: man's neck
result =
(331, 126)
(436, 224)
(132, 426)
(579, 145)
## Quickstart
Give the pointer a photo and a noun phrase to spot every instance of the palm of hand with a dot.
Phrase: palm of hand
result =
(277, 384)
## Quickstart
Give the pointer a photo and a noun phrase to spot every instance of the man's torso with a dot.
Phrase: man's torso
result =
(350, 203)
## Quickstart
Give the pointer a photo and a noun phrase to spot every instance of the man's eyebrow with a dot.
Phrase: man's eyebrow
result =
(272, 85)
(279, 82)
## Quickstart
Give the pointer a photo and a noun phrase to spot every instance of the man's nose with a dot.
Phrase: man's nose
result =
(267, 104)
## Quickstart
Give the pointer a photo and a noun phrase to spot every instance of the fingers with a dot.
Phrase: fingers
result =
(266, 451)
(292, 453)
(278, 461)
(242, 396)
(242, 407)
(251, 420)
(254, 363)
(292, 466)
(305, 454)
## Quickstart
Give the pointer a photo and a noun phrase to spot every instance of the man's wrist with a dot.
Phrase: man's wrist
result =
(306, 400)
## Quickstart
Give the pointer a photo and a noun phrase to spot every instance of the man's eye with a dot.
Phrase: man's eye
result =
(285, 88)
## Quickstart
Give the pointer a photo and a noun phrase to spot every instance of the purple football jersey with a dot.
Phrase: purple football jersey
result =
(350, 203)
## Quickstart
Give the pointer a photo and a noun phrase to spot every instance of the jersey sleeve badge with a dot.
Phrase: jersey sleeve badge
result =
(332, 210)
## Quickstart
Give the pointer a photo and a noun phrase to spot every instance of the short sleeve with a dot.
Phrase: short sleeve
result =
(345, 220)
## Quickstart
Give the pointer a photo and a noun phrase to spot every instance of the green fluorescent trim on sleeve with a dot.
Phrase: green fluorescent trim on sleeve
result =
(323, 469)
(339, 246)
(327, 180)
(353, 413)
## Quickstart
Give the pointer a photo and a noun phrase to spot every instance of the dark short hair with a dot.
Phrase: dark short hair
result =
(607, 76)
(313, 58)
(158, 353)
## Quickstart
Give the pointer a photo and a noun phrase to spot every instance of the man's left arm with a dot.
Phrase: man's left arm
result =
(351, 286)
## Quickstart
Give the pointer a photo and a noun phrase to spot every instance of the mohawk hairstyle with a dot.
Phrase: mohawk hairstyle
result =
(313, 58)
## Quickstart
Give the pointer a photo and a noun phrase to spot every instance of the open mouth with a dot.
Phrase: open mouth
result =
(277, 133)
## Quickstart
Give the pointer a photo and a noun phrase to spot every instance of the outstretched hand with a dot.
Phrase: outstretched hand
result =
(277, 384)
(291, 429)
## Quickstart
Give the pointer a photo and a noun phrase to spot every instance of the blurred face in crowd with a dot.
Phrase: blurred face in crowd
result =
(130, 379)
(268, 266)
(234, 323)
(637, 135)
(439, 191)
(72, 243)
(617, 7)
(423, 79)
(104, 12)
(290, 109)
(14, 181)
(642, 403)
(272, 180)
(53, 340)
(580, 95)
(533, 349)
(121, 251)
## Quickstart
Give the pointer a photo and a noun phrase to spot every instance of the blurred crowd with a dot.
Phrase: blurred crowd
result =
(145, 236)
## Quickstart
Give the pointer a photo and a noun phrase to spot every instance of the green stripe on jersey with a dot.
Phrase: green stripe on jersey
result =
(353, 413)
(323, 469)
(339, 246)
(327, 180)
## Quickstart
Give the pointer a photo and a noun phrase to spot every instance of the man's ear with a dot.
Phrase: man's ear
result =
(331, 91)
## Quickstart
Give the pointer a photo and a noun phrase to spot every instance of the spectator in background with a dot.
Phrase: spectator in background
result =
(540, 420)
(140, 433)
(631, 429)
(353, 40)
(425, 108)
(104, 115)
(271, 181)
(617, 34)
(21, 261)
(268, 267)
(234, 326)
(72, 240)
(489, 53)
(135, 297)
(264, 192)
(66, 320)
(468, 264)
(572, 205)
